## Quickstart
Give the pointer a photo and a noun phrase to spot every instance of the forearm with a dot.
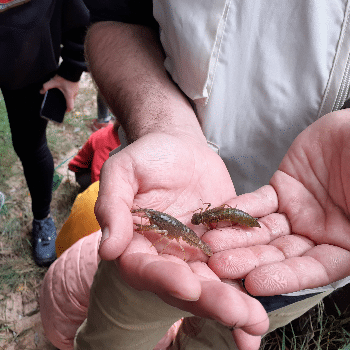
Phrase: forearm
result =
(126, 62)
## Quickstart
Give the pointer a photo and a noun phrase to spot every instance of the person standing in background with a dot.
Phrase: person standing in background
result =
(34, 36)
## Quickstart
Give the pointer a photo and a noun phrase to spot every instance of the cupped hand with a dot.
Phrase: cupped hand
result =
(191, 286)
(161, 172)
(305, 240)
(172, 175)
(69, 89)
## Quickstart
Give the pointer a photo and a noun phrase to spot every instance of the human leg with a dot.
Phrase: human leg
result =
(29, 141)
(102, 109)
(103, 115)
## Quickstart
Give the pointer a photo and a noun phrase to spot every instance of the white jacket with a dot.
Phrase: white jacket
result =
(258, 72)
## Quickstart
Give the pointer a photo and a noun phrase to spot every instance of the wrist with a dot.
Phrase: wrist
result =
(186, 127)
(156, 106)
(190, 139)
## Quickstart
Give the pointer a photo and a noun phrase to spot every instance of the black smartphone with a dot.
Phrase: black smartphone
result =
(54, 106)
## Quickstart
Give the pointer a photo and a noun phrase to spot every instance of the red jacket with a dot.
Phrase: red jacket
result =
(95, 152)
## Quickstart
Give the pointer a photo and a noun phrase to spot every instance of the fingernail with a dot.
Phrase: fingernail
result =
(182, 297)
(105, 234)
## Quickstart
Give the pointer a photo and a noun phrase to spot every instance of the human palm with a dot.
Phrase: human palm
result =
(163, 173)
(305, 241)
(175, 176)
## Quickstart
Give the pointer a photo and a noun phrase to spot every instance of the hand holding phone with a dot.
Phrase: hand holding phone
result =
(54, 106)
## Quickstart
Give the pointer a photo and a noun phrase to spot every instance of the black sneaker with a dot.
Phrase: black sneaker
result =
(44, 237)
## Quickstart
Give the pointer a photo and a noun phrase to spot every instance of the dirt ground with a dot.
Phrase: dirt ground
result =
(21, 326)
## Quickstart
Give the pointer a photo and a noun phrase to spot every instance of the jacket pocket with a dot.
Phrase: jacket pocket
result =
(191, 35)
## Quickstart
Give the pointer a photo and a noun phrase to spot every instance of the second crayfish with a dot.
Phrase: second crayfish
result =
(211, 217)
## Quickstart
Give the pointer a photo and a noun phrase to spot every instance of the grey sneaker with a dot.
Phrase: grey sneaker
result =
(44, 237)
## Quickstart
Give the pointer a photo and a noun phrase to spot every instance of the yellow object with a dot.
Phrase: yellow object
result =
(81, 221)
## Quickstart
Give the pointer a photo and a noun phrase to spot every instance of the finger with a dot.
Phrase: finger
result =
(203, 270)
(144, 269)
(318, 219)
(320, 266)
(174, 282)
(245, 341)
(293, 245)
(259, 203)
(116, 229)
(161, 276)
(70, 103)
(225, 304)
(43, 90)
(112, 208)
(237, 263)
(70, 91)
(272, 226)
(47, 86)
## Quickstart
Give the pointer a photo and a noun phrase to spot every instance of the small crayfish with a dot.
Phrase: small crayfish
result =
(170, 228)
(211, 217)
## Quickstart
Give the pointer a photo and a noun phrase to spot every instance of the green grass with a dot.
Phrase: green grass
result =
(7, 153)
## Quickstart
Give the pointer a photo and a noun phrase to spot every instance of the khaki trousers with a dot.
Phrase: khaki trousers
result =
(121, 318)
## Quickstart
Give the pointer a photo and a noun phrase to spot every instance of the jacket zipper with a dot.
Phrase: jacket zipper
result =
(344, 87)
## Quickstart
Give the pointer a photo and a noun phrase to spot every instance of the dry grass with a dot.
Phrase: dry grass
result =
(315, 330)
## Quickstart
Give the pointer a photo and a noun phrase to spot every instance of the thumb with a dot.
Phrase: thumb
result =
(47, 86)
(112, 208)
(116, 224)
